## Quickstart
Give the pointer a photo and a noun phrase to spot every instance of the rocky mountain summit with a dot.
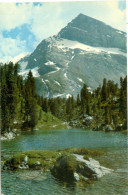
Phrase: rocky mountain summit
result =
(85, 51)
(92, 32)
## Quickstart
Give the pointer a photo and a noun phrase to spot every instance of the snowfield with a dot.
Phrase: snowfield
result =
(65, 45)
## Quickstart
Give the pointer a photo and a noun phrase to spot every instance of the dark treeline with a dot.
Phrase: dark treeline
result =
(107, 104)
(19, 101)
(22, 107)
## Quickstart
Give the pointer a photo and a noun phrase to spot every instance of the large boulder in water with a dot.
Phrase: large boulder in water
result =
(64, 168)
(73, 168)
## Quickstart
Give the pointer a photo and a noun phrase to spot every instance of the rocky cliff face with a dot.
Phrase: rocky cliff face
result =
(85, 51)
(92, 32)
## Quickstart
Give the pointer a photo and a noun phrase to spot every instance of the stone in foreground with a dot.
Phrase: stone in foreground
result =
(74, 168)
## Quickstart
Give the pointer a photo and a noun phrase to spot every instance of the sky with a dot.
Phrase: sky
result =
(24, 25)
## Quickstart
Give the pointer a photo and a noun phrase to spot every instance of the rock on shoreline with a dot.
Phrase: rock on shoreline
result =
(9, 136)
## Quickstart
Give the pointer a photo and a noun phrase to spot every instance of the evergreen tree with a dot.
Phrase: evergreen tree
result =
(94, 108)
(55, 107)
(87, 108)
(34, 113)
(45, 105)
(123, 98)
(104, 93)
(84, 97)
(106, 115)
(99, 103)
(78, 100)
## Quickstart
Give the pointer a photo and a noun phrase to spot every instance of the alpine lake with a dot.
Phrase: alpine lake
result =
(34, 182)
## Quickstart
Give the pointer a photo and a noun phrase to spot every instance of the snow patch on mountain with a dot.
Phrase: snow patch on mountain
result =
(119, 32)
(59, 95)
(43, 81)
(49, 63)
(68, 95)
(66, 44)
(67, 64)
(65, 75)
(57, 83)
(90, 89)
(72, 57)
(80, 79)
(57, 69)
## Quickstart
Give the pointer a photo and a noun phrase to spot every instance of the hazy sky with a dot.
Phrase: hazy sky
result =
(24, 25)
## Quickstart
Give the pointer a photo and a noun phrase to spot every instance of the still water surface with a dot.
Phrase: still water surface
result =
(36, 183)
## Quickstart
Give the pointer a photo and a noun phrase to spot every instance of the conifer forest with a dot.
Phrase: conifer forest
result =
(22, 107)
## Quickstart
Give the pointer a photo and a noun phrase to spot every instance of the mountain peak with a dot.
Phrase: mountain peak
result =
(90, 31)
(82, 16)
(85, 51)
(84, 19)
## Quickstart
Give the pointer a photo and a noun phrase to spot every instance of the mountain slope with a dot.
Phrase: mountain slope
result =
(85, 51)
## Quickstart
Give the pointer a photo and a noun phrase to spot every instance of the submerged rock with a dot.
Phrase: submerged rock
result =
(34, 175)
